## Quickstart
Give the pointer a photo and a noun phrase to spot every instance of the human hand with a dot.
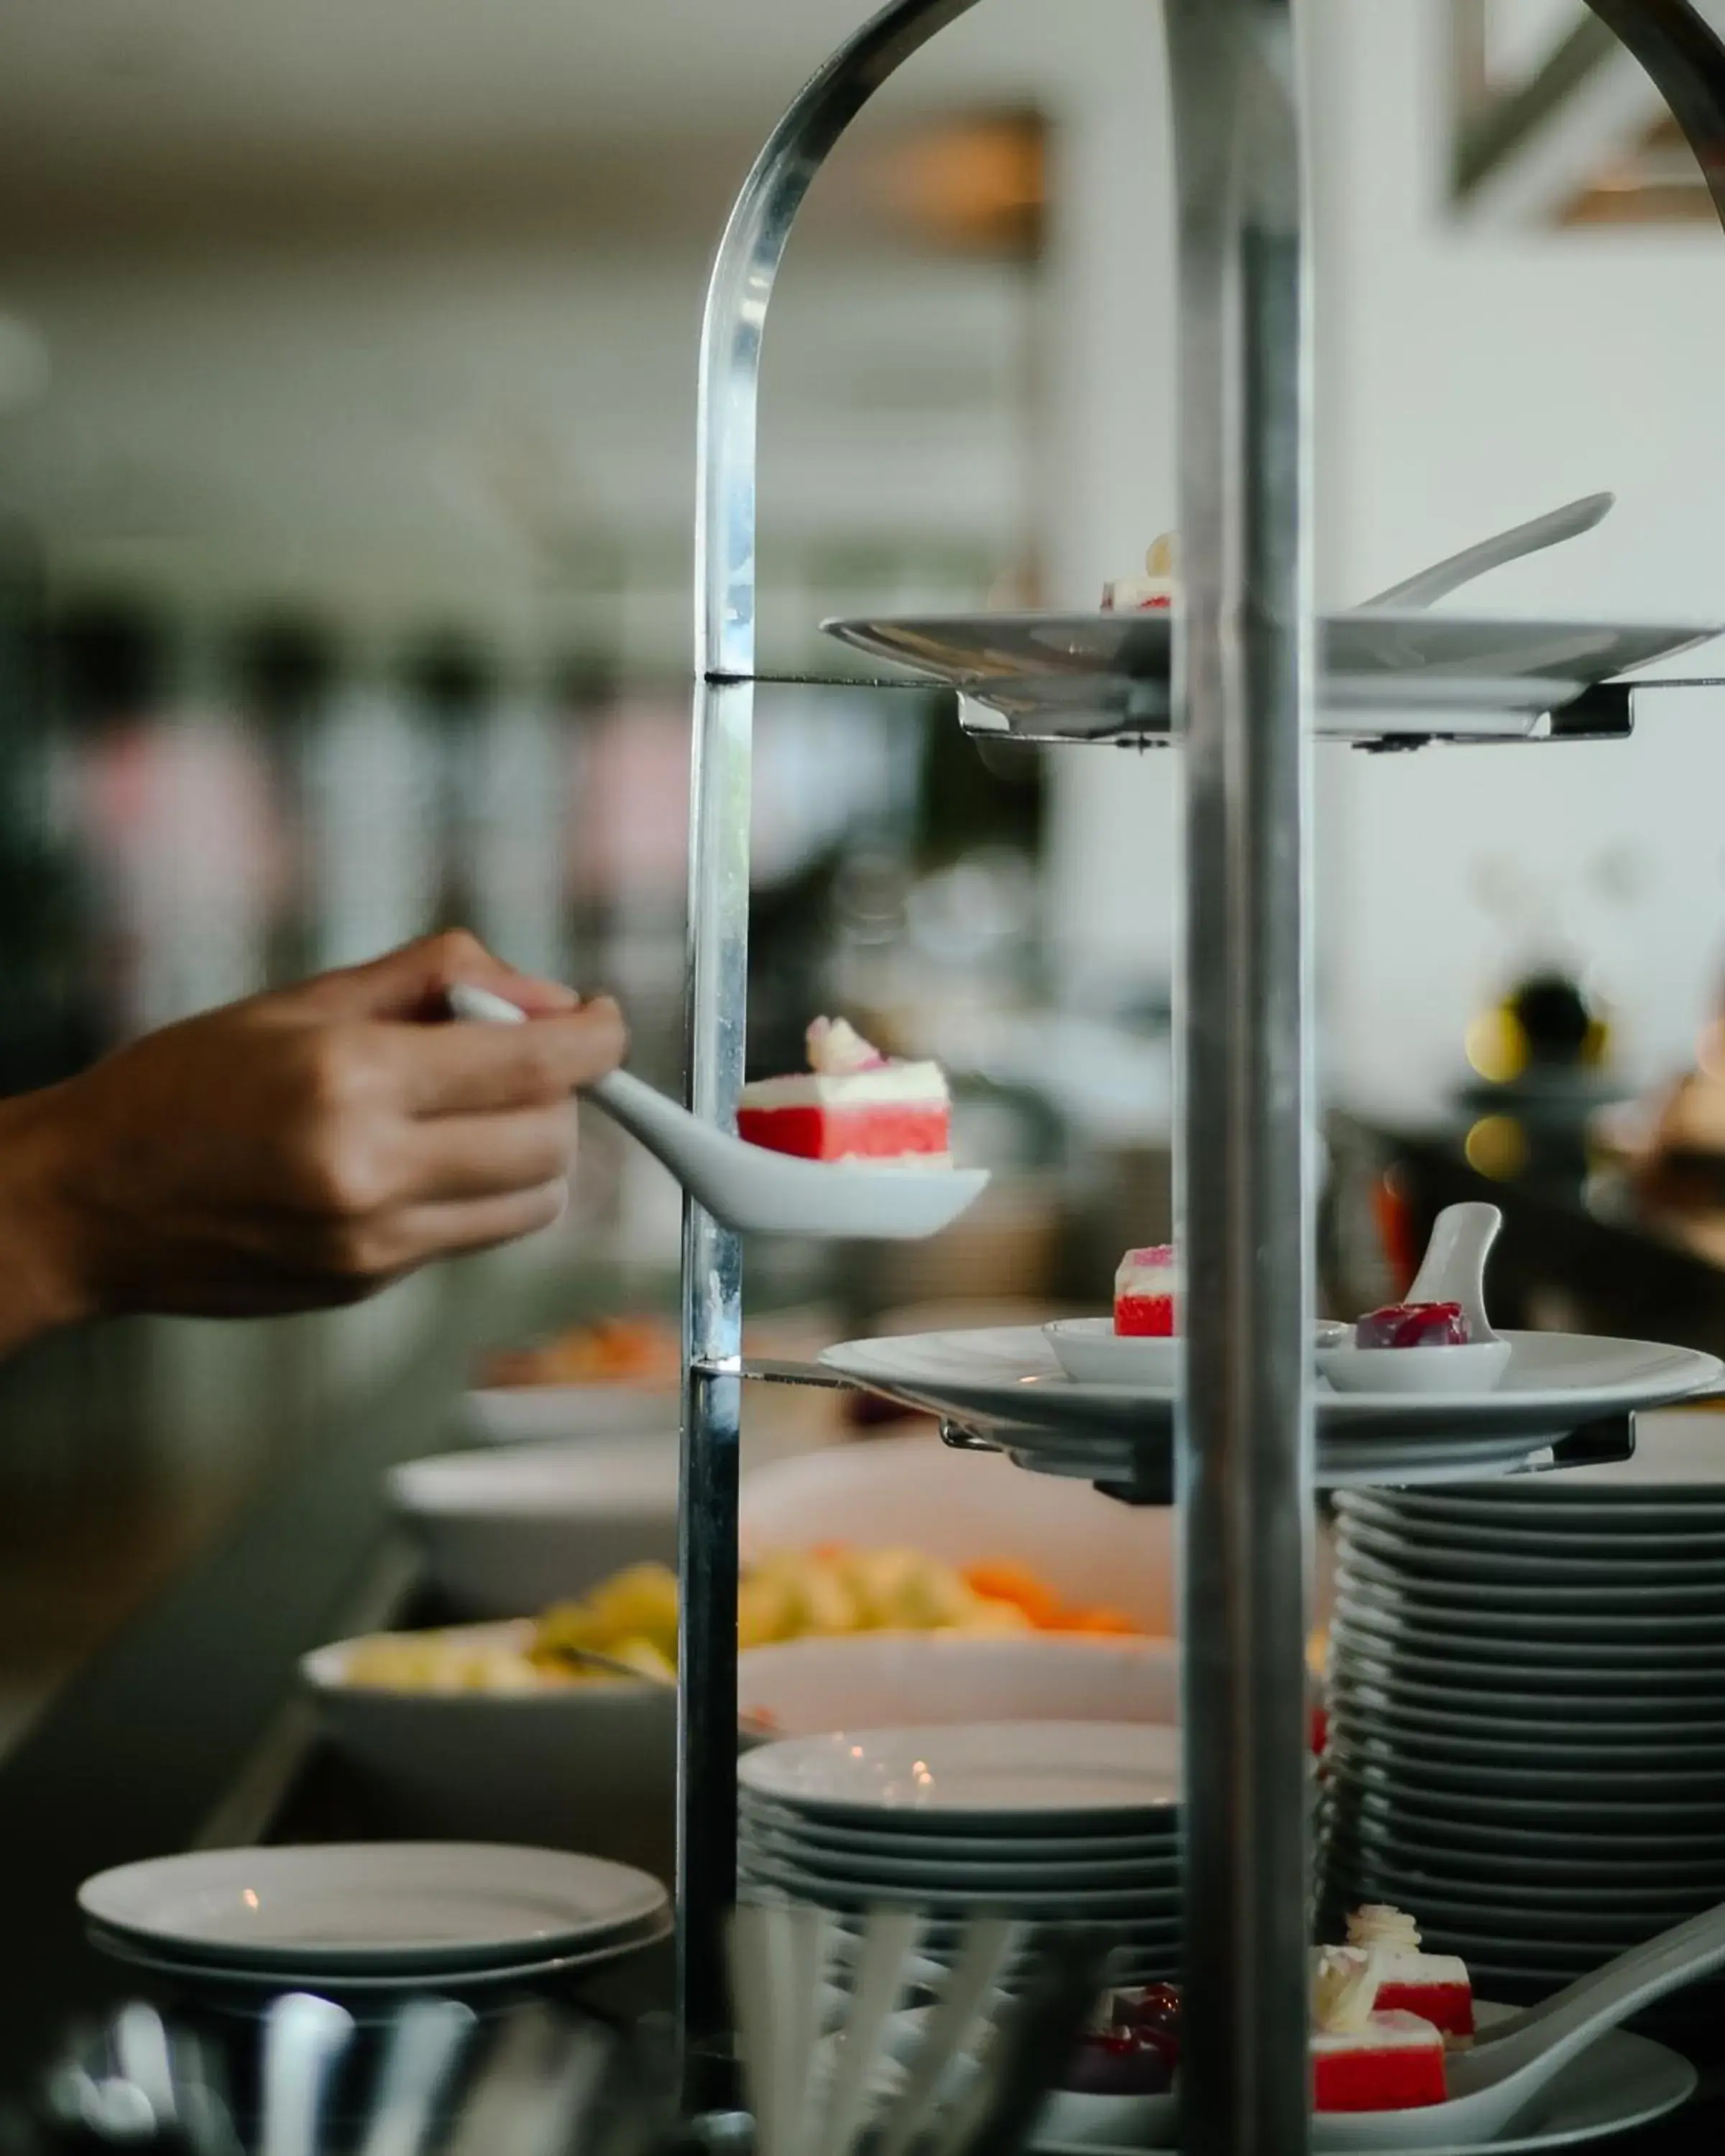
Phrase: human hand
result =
(300, 1148)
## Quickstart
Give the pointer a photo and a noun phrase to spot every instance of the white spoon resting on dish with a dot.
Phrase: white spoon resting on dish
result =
(1493, 2084)
(1452, 1271)
(754, 1191)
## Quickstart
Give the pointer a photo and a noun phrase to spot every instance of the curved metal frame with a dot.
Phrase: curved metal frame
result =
(1244, 693)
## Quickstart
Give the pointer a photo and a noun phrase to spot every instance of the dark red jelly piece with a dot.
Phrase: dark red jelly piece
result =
(1413, 1325)
(1139, 2054)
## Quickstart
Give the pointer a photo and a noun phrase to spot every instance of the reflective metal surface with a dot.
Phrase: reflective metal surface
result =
(1244, 696)
(737, 296)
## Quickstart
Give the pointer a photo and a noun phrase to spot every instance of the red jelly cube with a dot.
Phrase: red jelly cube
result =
(1414, 1325)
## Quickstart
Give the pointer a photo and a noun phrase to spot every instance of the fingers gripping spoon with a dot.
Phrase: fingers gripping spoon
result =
(752, 1190)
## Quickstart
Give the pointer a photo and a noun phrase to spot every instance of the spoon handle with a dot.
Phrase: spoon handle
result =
(1453, 1267)
(1427, 586)
(1568, 2021)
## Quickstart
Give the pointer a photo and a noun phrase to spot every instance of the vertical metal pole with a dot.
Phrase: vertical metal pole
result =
(717, 957)
(1245, 1440)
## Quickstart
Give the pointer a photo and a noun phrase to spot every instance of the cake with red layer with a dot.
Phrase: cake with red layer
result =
(1145, 1291)
(1366, 2056)
(1436, 1986)
(1153, 592)
(852, 1104)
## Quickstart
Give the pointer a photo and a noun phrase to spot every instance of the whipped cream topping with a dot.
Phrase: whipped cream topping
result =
(836, 1050)
(1345, 1989)
(1156, 588)
(1376, 1924)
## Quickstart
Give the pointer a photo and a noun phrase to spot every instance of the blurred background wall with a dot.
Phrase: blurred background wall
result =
(346, 413)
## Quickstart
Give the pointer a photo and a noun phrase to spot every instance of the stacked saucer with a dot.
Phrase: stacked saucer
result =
(373, 1918)
(1527, 1710)
(1053, 1823)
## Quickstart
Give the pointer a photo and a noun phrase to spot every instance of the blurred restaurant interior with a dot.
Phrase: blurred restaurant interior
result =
(346, 449)
(347, 366)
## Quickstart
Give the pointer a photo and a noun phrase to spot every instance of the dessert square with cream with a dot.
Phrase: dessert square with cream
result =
(1147, 1286)
(852, 1104)
(1366, 2055)
(1153, 592)
(1436, 1986)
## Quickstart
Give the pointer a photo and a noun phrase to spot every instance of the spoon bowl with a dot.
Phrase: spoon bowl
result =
(1494, 2083)
(1452, 1271)
(754, 1191)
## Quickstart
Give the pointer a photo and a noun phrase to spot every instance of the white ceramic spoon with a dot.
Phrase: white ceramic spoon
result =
(1493, 2084)
(1452, 1271)
(752, 1190)
(1430, 585)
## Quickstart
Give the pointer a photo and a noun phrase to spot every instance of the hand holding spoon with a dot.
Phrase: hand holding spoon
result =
(749, 1188)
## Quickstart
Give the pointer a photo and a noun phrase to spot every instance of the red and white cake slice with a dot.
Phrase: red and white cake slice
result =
(1366, 2056)
(1436, 1986)
(851, 1104)
(1394, 2062)
(1153, 592)
(1146, 1289)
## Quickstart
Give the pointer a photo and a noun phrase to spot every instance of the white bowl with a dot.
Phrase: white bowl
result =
(527, 1415)
(588, 1767)
(509, 1529)
(913, 1680)
(964, 1508)
(1477, 1367)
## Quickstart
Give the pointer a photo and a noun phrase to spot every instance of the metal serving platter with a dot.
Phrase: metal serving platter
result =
(1049, 677)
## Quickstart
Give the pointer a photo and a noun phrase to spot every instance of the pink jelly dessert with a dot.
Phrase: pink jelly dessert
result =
(1133, 2048)
(1366, 2056)
(1153, 592)
(1436, 1986)
(1145, 1288)
(1414, 1325)
(851, 1104)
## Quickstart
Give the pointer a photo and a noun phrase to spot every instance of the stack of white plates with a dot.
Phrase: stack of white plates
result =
(372, 1917)
(1527, 1710)
(1054, 1823)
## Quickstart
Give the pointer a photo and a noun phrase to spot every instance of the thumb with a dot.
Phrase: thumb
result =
(414, 982)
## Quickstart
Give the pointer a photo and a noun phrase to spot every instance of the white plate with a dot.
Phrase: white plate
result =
(371, 1907)
(1660, 1657)
(1419, 1557)
(1532, 1623)
(1565, 1763)
(1092, 1353)
(1555, 1383)
(1461, 1717)
(1100, 676)
(508, 1529)
(529, 1415)
(353, 1985)
(1683, 1598)
(1022, 1772)
(920, 1837)
(904, 1680)
(1554, 1688)
(1159, 1874)
(1470, 1369)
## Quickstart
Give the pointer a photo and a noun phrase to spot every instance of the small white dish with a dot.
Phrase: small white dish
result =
(1092, 1353)
(1014, 1771)
(1480, 1366)
(371, 1907)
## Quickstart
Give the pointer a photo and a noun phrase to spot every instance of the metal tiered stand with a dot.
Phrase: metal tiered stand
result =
(1243, 701)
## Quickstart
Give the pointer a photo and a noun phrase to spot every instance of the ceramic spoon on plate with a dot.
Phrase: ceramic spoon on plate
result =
(1452, 1271)
(755, 1191)
(1494, 2084)
(1430, 585)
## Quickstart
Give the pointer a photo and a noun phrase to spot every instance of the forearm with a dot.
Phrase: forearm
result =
(41, 1286)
